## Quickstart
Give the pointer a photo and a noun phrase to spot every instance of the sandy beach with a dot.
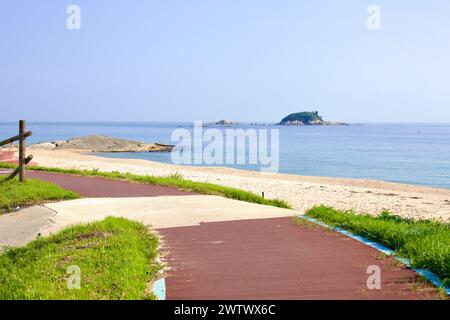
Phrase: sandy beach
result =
(302, 192)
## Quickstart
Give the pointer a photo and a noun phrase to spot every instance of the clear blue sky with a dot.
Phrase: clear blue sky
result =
(243, 60)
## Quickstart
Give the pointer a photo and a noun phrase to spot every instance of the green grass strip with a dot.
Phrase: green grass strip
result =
(14, 194)
(116, 259)
(174, 181)
(425, 243)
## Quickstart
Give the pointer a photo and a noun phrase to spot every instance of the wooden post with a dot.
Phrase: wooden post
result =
(22, 147)
(16, 170)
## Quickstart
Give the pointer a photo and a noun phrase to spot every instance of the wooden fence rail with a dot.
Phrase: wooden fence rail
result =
(15, 138)
(23, 161)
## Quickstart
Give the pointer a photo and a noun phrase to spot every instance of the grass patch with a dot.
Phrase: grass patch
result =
(426, 243)
(174, 181)
(14, 194)
(116, 258)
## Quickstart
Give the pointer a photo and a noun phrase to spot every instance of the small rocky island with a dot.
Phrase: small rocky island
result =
(307, 118)
(225, 123)
(100, 143)
(221, 123)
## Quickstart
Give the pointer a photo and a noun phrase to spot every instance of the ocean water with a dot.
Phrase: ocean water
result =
(407, 153)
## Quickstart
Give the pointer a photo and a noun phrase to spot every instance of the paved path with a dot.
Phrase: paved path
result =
(94, 187)
(21, 227)
(278, 259)
(217, 248)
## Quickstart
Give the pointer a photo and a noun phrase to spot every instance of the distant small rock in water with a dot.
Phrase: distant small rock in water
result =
(100, 143)
(225, 123)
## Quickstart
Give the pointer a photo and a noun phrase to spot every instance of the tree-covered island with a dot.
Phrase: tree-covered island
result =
(306, 118)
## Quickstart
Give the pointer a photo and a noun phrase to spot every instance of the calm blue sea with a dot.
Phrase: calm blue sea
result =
(407, 153)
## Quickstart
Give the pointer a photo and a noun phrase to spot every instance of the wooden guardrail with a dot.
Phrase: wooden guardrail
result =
(23, 161)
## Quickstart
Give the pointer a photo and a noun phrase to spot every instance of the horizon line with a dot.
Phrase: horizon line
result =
(209, 121)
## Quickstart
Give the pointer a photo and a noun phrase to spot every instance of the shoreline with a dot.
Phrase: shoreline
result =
(352, 181)
(302, 192)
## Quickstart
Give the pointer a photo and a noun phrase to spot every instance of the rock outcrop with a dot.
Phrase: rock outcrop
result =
(99, 143)
(225, 123)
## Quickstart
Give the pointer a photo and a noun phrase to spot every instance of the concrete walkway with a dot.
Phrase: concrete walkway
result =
(152, 205)
(160, 212)
(21, 227)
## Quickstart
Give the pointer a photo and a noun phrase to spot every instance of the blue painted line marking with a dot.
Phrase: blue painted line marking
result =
(427, 274)
(159, 289)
